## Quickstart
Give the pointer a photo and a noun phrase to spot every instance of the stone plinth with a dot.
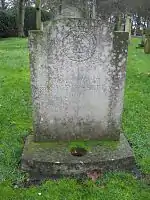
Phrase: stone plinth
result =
(53, 159)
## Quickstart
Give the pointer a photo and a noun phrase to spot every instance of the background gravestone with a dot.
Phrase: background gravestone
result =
(78, 69)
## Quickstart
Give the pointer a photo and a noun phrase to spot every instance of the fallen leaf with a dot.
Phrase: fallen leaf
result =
(94, 174)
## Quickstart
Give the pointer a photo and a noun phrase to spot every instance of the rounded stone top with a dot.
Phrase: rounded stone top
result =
(69, 12)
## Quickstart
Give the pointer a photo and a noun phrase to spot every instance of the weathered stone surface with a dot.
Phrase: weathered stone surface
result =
(53, 159)
(77, 74)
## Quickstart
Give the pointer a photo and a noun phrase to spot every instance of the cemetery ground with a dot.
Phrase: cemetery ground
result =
(16, 124)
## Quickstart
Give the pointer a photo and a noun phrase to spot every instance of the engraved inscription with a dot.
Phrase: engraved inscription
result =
(79, 45)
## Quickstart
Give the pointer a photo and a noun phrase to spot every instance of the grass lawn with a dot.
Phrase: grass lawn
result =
(16, 123)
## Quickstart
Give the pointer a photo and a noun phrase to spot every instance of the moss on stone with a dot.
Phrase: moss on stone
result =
(86, 144)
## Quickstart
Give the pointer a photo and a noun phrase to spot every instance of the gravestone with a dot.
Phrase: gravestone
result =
(128, 25)
(78, 69)
(147, 41)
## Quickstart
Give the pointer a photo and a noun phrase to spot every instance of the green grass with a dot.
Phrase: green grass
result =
(16, 123)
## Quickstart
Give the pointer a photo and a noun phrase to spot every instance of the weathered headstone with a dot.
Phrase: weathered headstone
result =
(78, 69)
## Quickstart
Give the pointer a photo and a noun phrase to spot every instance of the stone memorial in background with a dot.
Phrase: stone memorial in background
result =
(147, 41)
(78, 69)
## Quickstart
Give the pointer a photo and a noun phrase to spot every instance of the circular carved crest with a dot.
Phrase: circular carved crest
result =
(79, 45)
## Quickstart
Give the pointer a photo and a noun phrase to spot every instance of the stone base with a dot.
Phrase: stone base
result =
(46, 160)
